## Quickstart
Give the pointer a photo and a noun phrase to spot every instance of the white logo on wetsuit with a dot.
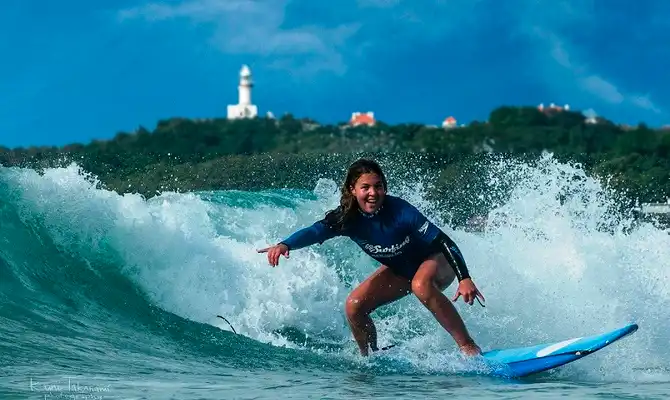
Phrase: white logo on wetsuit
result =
(388, 251)
(424, 228)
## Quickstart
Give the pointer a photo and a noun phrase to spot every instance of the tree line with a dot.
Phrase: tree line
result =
(185, 154)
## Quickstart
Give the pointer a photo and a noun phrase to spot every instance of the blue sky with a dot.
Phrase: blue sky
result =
(77, 70)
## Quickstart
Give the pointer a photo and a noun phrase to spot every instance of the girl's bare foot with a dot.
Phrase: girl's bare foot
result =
(471, 350)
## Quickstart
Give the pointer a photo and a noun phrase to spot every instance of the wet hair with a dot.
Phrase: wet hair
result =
(339, 217)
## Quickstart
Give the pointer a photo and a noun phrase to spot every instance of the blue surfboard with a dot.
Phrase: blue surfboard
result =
(524, 361)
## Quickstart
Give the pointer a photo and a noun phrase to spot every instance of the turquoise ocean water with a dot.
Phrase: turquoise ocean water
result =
(104, 296)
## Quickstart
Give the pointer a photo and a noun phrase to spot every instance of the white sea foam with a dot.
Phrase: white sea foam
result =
(545, 263)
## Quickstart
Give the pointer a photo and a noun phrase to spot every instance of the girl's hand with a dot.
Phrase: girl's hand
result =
(469, 291)
(274, 252)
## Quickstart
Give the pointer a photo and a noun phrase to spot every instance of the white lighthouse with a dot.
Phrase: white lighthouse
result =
(244, 108)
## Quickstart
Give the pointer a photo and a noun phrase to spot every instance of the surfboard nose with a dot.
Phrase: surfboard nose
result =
(522, 361)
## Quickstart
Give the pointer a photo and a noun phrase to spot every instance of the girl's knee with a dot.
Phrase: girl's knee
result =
(355, 306)
(422, 288)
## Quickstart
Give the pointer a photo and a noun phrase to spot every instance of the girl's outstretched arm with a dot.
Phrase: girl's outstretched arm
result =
(318, 232)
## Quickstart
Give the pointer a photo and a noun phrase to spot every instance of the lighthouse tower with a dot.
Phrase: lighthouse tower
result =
(243, 108)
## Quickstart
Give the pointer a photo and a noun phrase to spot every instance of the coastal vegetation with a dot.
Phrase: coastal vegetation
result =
(251, 154)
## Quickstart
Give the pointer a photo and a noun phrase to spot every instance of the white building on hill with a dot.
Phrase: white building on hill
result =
(243, 108)
(591, 116)
(553, 107)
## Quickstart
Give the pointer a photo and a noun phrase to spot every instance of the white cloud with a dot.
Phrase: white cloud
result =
(643, 101)
(605, 90)
(258, 27)
(254, 27)
(565, 54)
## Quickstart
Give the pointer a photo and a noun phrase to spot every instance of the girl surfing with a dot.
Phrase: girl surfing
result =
(415, 255)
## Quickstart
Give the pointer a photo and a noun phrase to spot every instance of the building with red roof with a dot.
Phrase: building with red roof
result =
(358, 118)
(449, 122)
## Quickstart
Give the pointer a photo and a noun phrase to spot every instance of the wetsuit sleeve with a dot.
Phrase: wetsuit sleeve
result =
(452, 253)
(318, 232)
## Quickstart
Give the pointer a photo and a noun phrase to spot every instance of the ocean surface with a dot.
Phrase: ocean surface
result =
(104, 296)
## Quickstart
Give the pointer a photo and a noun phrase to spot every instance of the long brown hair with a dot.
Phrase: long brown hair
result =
(348, 205)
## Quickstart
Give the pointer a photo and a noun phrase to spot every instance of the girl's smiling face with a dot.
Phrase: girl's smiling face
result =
(369, 192)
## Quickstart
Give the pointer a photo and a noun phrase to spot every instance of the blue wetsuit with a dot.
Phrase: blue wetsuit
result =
(398, 235)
